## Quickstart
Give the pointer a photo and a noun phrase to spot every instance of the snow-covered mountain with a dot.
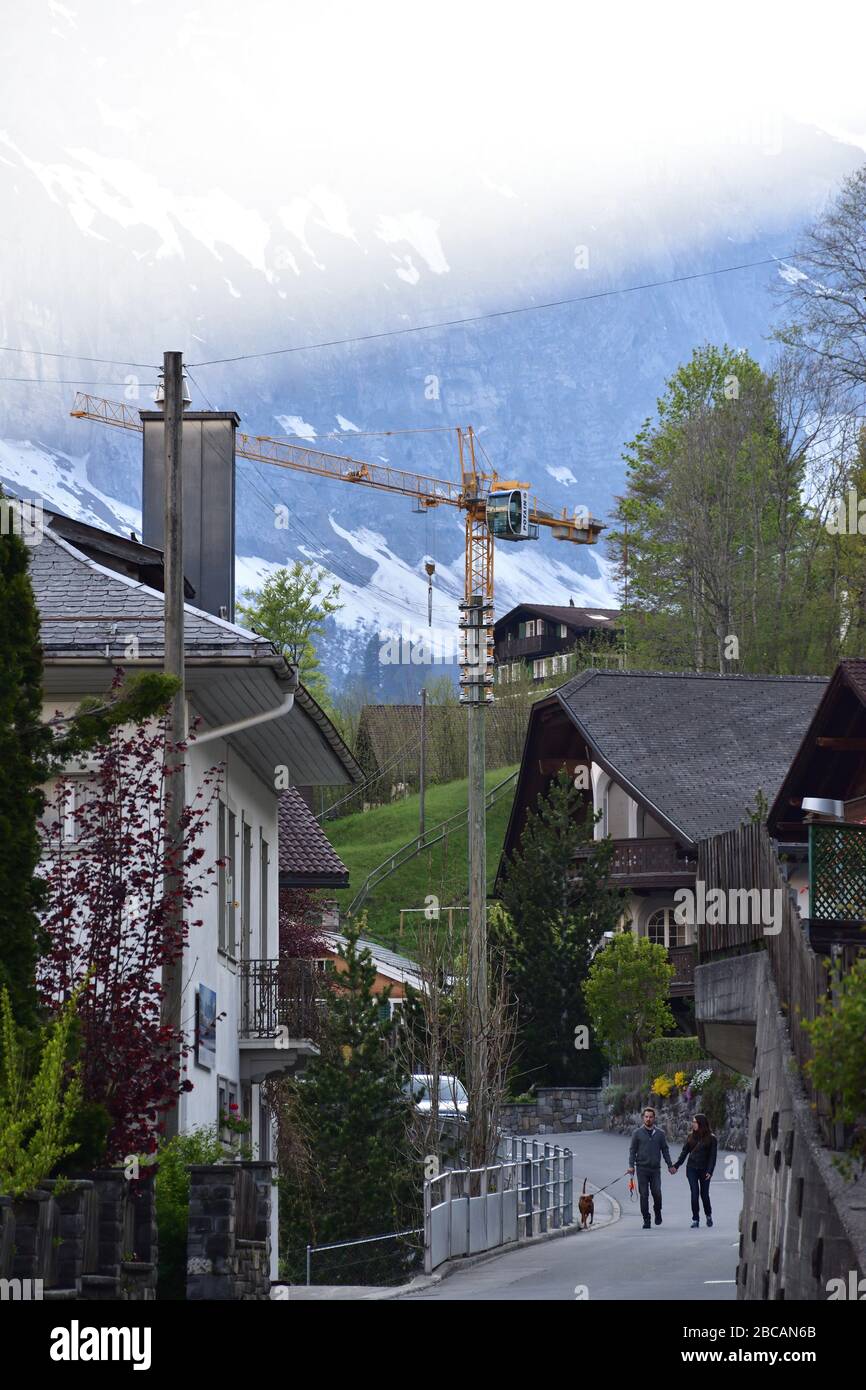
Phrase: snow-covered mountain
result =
(105, 258)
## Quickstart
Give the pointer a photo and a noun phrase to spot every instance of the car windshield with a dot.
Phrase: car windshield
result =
(451, 1090)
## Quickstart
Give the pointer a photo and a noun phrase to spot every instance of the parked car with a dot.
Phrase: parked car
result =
(453, 1100)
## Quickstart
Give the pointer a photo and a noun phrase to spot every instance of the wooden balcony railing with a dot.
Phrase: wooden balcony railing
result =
(647, 859)
(683, 959)
(279, 994)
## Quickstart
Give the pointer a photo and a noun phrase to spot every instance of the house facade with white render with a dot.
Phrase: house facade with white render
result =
(96, 609)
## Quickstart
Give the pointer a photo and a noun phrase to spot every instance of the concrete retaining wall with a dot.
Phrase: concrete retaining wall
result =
(801, 1225)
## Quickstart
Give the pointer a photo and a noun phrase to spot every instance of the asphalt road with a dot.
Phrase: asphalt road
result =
(618, 1259)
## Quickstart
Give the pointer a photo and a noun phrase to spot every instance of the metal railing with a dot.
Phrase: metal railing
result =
(468, 1210)
(279, 994)
(422, 842)
(361, 1264)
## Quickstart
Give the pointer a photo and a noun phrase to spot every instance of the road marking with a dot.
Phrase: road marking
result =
(720, 1281)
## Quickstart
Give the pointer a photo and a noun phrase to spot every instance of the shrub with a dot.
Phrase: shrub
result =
(202, 1145)
(662, 1086)
(615, 1097)
(838, 1067)
(713, 1092)
(37, 1112)
(665, 1052)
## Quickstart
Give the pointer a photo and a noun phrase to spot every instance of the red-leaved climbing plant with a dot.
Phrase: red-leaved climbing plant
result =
(110, 925)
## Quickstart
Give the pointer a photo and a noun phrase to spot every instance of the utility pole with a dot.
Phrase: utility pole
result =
(172, 981)
(475, 697)
(422, 774)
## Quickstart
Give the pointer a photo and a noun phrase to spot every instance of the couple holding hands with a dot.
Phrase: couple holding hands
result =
(649, 1146)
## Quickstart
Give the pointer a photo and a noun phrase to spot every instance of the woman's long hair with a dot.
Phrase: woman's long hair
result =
(703, 1134)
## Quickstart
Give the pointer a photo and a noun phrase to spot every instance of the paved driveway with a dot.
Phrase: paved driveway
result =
(618, 1260)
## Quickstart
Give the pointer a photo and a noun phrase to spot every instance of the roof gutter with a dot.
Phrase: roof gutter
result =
(264, 717)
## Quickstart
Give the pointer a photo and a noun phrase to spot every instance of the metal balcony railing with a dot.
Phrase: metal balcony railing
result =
(279, 994)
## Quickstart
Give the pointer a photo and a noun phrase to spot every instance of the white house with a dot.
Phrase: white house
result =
(101, 608)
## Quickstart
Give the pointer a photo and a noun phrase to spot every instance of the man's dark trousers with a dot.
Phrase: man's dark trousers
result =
(649, 1180)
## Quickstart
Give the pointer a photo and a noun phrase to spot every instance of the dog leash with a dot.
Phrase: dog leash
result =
(612, 1183)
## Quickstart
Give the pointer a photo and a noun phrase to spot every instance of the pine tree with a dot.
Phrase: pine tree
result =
(353, 1114)
(548, 927)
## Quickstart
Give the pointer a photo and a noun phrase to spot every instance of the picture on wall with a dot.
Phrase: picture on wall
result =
(205, 1027)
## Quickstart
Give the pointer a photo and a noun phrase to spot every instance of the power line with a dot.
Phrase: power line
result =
(493, 314)
(74, 357)
(64, 381)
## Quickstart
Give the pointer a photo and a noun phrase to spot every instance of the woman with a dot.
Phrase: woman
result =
(700, 1150)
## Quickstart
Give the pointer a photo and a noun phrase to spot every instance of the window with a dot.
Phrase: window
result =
(664, 930)
(231, 884)
(226, 910)
(617, 812)
(221, 876)
(246, 922)
(563, 630)
(228, 1109)
(263, 896)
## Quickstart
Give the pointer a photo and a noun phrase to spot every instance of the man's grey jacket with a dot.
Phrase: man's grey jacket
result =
(648, 1147)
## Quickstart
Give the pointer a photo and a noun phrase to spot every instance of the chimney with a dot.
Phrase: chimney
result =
(208, 502)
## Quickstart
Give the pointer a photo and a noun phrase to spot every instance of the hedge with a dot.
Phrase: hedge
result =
(666, 1052)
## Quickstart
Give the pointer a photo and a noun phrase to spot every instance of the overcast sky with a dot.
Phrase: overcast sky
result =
(388, 102)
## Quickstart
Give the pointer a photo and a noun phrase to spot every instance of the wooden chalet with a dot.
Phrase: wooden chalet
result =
(538, 638)
(670, 760)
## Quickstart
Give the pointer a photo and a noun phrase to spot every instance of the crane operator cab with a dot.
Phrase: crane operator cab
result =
(508, 514)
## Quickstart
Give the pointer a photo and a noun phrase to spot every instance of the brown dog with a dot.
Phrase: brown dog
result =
(586, 1206)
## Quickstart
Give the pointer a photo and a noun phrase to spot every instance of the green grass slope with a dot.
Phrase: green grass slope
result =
(364, 840)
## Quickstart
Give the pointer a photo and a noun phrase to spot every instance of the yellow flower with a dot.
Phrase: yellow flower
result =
(679, 1078)
(661, 1086)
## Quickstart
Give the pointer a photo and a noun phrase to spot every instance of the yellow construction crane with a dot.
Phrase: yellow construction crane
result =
(494, 510)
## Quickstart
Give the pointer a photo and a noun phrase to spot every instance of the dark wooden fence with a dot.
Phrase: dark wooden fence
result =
(744, 859)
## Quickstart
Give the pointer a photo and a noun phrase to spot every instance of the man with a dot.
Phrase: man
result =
(648, 1147)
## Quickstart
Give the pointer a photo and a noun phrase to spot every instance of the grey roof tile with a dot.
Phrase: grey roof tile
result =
(696, 747)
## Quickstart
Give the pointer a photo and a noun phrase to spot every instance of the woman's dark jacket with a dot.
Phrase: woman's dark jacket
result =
(702, 1156)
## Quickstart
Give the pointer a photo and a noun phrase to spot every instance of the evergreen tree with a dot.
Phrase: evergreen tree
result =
(33, 751)
(25, 763)
(548, 927)
(350, 1117)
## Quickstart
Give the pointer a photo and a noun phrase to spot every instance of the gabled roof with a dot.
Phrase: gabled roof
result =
(694, 750)
(88, 612)
(387, 963)
(819, 769)
(602, 618)
(306, 857)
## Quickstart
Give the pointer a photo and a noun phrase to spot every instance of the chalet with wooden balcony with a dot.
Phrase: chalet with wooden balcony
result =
(819, 817)
(538, 638)
(668, 760)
